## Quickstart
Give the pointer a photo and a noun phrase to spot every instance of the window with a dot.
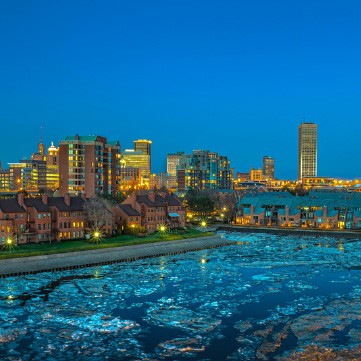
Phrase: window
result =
(39, 215)
(39, 227)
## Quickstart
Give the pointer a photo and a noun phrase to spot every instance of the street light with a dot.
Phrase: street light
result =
(97, 236)
(162, 229)
(9, 243)
(203, 225)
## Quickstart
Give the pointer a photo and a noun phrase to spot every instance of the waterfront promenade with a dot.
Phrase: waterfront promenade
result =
(73, 260)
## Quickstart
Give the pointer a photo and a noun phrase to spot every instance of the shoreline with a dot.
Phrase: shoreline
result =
(349, 234)
(74, 260)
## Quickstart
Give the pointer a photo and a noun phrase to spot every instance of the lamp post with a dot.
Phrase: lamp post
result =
(162, 230)
(96, 236)
(9, 243)
(203, 225)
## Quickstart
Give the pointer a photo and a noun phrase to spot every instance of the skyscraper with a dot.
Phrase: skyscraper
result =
(307, 150)
(144, 146)
(268, 168)
(131, 158)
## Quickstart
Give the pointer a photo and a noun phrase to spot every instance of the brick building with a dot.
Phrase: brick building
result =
(88, 165)
(42, 219)
(150, 210)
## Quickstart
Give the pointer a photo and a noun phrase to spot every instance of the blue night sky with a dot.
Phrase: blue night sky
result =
(236, 77)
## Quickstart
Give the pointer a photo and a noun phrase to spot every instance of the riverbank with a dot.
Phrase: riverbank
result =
(353, 235)
(74, 260)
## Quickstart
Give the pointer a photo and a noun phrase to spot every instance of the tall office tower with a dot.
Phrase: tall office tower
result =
(204, 170)
(131, 158)
(144, 146)
(268, 168)
(307, 150)
(89, 165)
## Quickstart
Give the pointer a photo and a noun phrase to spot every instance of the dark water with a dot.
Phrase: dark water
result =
(264, 298)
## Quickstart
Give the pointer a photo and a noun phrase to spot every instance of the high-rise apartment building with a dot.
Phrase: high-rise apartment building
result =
(307, 150)
(88, 165)
(203, 170)
(268, 168)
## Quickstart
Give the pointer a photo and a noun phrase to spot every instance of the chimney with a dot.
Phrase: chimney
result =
(44, 198)
(21, 199)
(67, 199)
(252, 209)
(151, 196)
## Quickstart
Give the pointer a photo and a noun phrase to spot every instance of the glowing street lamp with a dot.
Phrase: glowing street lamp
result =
(9, 243)
(203, 225)
(133, 227)
(162, 229)
(96, 236)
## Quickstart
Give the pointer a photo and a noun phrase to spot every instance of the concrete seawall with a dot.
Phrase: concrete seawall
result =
(354, 235)
(75, 260)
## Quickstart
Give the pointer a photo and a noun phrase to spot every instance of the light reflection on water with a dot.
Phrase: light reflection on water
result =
(261, 299)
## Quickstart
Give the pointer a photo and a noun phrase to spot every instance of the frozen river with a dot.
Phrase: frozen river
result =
(266, 297)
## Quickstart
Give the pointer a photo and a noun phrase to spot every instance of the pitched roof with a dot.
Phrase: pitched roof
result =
(128, 209)
(76, 204)
(172, 200)
(11, 206)
(159, 201)
(37, 203)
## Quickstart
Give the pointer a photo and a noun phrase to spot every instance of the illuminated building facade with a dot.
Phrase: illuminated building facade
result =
(41, 219)
(307, 150)
(131, 158)
(256, 175)
(88, 165)
(150, 210)
(4, 180)
(173, 160)
(129, 177)
(204, 170)
(268, 168)
(145, 147)
(318, 209)
(28, 175)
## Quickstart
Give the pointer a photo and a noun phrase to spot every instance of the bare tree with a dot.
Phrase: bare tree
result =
(98, 212)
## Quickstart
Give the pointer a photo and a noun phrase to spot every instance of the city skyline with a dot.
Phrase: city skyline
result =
(237, 78)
